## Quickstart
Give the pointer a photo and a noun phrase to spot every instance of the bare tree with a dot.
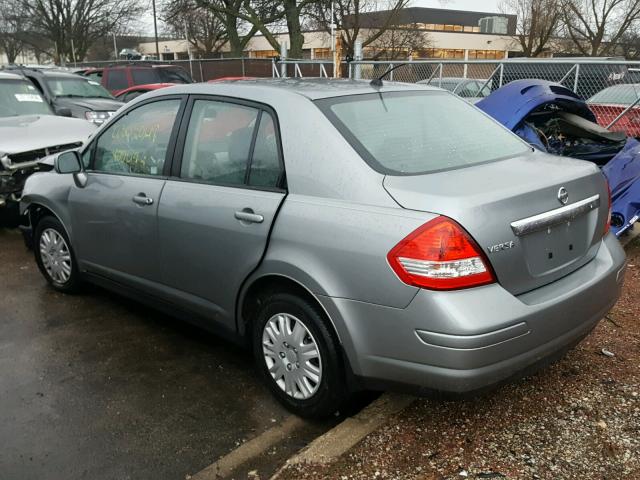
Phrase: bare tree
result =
(72, 26)
(595, 27)
(13, 24)
(630, 44)
(269, 18)
(204, 29)
(398, 42)
(364, 20)
(537, 22)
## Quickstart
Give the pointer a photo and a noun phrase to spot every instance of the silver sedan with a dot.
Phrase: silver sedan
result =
(353, 235)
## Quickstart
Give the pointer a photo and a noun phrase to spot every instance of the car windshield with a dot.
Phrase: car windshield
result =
(19, 97)
(622, 94)
(76, 87)
(410, 133)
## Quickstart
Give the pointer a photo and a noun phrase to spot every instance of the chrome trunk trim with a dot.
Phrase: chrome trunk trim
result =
(551, 218)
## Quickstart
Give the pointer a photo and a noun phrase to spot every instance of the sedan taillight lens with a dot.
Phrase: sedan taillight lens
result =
(440, 255)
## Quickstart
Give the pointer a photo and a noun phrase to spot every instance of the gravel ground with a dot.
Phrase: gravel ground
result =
(578, 419)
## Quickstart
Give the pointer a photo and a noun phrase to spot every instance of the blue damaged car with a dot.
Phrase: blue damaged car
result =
(554, 119)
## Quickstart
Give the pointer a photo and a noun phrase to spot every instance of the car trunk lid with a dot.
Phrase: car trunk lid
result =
(513, 211)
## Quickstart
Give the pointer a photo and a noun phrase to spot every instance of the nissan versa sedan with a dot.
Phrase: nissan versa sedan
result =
(354, 235)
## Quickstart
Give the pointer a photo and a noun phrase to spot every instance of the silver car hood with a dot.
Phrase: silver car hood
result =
(32, 132)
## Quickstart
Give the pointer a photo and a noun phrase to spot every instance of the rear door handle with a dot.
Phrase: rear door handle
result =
(142, 199)
(247, 215)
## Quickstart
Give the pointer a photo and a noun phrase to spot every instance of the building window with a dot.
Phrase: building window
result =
(264, 53)
(322, 53)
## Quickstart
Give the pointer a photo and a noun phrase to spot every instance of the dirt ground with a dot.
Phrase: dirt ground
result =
(578, 419)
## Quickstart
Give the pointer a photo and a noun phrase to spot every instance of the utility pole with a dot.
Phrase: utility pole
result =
(155, 29)
(334, 53)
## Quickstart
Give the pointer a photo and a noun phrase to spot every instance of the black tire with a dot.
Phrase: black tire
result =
(331, 392)
(70, 285)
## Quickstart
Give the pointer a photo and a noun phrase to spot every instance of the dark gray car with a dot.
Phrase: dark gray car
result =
(355, 236)
(73, 95)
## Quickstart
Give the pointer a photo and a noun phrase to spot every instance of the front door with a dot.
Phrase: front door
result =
(114, 217)
(216, 212)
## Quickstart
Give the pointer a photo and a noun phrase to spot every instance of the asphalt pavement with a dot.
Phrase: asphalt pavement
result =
(93, 386)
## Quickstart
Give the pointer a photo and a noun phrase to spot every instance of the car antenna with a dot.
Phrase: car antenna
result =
(377, 82)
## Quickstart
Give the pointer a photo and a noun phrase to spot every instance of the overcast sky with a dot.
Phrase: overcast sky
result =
(474, 5)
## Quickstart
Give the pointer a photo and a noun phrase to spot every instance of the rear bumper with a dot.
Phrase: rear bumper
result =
(466, 340)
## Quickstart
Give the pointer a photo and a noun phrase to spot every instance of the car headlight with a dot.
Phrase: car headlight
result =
(97, 117)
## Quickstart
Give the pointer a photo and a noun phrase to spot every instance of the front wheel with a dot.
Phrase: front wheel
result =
(298, 356)
(54, 255)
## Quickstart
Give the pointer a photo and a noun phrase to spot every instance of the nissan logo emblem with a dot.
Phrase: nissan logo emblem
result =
(563, 196)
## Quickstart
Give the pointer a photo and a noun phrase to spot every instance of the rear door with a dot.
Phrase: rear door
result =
(217, 209)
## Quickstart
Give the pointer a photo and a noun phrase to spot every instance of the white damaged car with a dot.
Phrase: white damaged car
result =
(29, 131)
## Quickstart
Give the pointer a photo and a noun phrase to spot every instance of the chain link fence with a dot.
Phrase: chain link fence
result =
(203, 70)
(612, 88)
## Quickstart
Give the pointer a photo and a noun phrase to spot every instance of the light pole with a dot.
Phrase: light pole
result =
(115, 48)
(333, 41)
(155, 29)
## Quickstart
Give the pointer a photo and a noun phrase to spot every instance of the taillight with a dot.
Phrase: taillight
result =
(440, 255)
(607, 225)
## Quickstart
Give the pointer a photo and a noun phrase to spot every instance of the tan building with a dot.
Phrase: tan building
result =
(449, 33)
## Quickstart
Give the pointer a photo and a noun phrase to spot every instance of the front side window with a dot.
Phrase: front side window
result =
(410, 133)
(137, 143)
(218, 142)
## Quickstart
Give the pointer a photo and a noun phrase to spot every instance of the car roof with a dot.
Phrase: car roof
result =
(11, 76)
(311, 88)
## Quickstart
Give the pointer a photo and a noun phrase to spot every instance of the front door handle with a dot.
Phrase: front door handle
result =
(142, 199)
(247, 215)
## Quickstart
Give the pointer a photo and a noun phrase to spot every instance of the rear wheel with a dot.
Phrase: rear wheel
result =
(54, 255)
(298, 355)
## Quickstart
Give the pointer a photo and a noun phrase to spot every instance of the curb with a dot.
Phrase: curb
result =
(333, 444)
(254, 447)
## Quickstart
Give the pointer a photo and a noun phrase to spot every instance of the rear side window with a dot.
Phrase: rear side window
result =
(409, 133)
(117, 80)
(144, 76)
(218, 142)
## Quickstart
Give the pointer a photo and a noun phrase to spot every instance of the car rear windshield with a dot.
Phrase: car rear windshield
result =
(410, 133)
(621, 94)
(174, 75)
(20, 97)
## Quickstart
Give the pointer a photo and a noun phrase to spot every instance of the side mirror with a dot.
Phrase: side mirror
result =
(68, 162)
(64, 112)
